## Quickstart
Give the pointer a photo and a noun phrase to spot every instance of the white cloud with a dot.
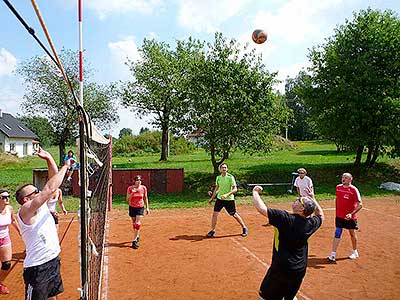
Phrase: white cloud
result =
(291, 72)
(296, 21)
(120, 52)
(8, 62)
(207, 15)
(104, 8)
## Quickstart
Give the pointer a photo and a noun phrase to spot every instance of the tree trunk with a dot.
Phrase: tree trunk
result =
(61, 147)
(369, 155)
(375, 155)
(164, 144)
(357, 162)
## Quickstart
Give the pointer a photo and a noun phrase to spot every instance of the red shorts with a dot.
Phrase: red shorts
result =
(5, 241)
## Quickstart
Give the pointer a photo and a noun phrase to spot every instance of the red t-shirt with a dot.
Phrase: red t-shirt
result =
(137, 199)
(346, 200)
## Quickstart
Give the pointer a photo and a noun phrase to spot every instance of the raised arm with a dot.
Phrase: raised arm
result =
(51, 164)
(29, 209)
(318, 209)
(257, 201)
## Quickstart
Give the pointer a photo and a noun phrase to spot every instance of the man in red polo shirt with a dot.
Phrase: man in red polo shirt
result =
(348, 203)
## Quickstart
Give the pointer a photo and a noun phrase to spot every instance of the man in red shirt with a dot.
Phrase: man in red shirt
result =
(348, 203)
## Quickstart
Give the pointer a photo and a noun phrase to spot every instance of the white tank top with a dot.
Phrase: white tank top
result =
(40, 238)
(5, 220)
(51, 204)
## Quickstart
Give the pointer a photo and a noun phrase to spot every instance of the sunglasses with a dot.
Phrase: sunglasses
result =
(302, 173)
(36, 191)
(4, 197)
(301, 201)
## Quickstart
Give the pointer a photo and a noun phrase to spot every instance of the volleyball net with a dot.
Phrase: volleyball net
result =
(95, 174)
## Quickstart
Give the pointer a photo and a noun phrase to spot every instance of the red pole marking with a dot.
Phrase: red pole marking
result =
(80, 10)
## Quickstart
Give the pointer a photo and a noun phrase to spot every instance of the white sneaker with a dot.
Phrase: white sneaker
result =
(331, 258)
(354, 255)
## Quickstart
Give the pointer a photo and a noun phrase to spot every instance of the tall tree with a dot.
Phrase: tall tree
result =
(299, 127)
(355, 90)
(125, 132)
(231, 101)
(47, 96)
(156, 88)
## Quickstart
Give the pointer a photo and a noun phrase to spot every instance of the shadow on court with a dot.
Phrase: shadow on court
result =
(121, 245)
(198, 237)
(321, 262)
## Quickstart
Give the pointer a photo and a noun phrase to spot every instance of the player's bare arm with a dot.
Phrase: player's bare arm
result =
(257, 201)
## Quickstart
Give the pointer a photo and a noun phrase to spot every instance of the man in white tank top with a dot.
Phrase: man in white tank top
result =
(42, 275)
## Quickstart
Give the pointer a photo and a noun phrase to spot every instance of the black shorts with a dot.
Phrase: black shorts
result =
(43, 281)
(346, 224)
(228, 204)
(136, 211)
(278, 284)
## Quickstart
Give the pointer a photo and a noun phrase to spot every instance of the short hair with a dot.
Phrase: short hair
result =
(224, 164)
(19, 195)
(309, 206)
(302, 170)
(347, 174)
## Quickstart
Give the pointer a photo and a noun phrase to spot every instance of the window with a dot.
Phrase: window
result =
(12, 147)
(22, 128)
(6, 126)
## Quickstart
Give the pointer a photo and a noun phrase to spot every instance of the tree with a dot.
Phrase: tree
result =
(157, 85)
(300, 126)
(42, 128)
(47, 96)
(125, 132)
(354, 96)
(230, 101)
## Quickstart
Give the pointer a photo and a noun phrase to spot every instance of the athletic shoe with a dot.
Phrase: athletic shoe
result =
(331, 258)
(135, 244)
(4, 290)
(211, 233)
(245, 232)
(354, 255)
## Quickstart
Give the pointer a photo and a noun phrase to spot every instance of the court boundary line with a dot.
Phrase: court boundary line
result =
(104, 283)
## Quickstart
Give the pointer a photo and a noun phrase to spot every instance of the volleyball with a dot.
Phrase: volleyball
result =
(259, 36)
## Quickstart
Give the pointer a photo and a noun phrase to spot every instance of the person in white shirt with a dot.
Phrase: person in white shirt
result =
(52, 205)
(42, 275)
(303, 183)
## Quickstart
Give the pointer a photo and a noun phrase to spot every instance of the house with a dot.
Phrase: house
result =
(15, 137)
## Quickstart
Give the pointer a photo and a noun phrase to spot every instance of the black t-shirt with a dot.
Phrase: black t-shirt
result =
(290, 251)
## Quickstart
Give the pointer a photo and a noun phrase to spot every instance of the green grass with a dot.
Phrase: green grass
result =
(323, 163)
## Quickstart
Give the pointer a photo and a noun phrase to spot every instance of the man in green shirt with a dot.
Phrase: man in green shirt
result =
(225, 187)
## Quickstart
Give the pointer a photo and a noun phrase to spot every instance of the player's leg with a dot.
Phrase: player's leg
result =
(340, 224)
(231, 209)
(137, 225)
(273, 285)
(5, 259)
(353, 236)
(217, 208)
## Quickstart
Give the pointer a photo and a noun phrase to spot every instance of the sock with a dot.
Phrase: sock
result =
(333, 254)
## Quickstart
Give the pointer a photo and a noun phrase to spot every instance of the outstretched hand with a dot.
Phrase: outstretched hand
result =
(258, 189)
(43, 154)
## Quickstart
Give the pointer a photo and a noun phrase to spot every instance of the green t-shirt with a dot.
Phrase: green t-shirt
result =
(225, 184)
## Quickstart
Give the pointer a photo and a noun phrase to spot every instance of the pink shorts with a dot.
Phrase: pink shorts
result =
(5, 241)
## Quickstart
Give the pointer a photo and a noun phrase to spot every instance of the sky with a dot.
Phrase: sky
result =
(114, 31)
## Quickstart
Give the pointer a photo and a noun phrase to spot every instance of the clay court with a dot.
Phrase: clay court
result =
(176, 261)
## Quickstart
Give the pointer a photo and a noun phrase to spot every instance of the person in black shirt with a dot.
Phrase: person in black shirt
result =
(290, 250)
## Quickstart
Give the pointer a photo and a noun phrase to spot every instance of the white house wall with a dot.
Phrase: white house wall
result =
(19, 145)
